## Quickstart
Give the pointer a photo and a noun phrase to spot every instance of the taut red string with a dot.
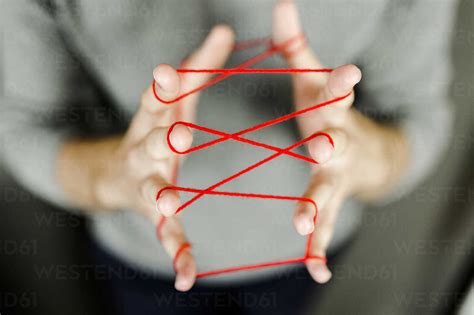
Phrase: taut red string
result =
(299, 42)
(247, 71)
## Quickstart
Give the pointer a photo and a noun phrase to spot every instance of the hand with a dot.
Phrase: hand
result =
(128, 171)
(366, 158)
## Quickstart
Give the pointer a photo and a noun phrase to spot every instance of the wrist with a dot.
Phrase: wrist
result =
(385, 159)
(84, 171)
(105, 179)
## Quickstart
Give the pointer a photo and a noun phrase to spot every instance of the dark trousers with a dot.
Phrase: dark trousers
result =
(127, 291)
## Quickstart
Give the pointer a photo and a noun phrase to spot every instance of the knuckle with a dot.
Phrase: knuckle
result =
(150, 145)
(341, 139)
(304, 211)
(325, 183)
(336, 133)
(132, 159)
(324, 235)
(155, 144)
(147, 101)
(144, 98)
(146, 189)
(142, 190)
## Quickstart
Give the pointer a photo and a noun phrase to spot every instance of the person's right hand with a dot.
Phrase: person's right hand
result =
(141, 163)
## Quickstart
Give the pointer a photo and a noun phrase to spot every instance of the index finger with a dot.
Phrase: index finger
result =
(152, 112)
(166, 84)
(287, 25)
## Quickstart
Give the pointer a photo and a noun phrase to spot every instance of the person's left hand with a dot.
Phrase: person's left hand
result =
(362, 161)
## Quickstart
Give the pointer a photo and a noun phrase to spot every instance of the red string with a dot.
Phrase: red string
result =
(272, 49)
(284, 48)
(247, 71)
(181, 249)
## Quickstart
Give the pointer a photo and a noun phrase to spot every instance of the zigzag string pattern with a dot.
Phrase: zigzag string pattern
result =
(296, 44)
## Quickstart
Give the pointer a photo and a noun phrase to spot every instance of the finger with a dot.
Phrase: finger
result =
(323, 151)
(167, 84)
(287, 26)
(341, 81)
(185, 271)
(155, 145)
(319, 191)
(171, 234)
(152, 112)
(212, 54)
(318, 270)
(321, 239)
(166, 203)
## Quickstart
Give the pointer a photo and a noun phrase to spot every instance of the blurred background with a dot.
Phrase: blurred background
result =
(414, 256)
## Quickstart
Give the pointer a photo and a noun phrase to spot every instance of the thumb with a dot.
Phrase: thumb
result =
(342, 80)
(287, 26)
(212, 54)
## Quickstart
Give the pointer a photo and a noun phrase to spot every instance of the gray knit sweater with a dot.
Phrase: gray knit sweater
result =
(77, 68)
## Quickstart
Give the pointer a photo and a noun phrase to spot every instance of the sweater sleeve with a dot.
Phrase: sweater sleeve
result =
(37, 88)
(407, 76)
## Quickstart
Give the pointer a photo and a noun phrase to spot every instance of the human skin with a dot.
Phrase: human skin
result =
(127, 171)
(367, 159)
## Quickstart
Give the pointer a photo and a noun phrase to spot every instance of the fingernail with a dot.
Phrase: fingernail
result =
(162, 205)
(322, 274)
(181, 138)
(160, 80)
(181, 284)
(305, 226)
(309, 226)
(166, 205)
(165, 78)
(321, 149)
(355, 76)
